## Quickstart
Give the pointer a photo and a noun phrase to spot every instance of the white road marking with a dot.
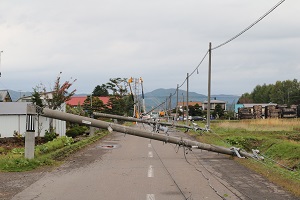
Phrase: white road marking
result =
(150, 154)
(150, 172)
(150, 197)
(149, 145)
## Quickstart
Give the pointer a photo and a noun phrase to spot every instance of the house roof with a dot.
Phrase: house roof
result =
(191, 103)
(214, 101)
(74, 101)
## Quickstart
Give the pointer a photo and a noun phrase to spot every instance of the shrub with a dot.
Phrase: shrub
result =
(72, 133)
(49, 136)
(76, 131)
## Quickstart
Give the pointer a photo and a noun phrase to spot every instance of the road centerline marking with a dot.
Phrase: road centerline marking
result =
(150, 197)
(150, 154)
(150, 171)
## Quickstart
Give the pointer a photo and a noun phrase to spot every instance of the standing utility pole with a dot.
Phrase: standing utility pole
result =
(182, 107)
(170, 105)
(0, 62)
(209, 88)
(187, 99)
(176, 115)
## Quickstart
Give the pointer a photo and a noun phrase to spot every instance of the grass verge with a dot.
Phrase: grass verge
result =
(47, 154)
(278, 140)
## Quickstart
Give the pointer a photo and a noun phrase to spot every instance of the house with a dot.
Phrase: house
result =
(13, 119)
(43, 96)
(4, 96)
(191, 103)
(213, 104)
(79, 100)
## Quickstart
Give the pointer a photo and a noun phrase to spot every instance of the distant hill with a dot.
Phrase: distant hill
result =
(166, 92)
(154, 98)
(16, 95)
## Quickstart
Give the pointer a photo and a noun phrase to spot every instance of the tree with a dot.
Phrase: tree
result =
(195, 110)
(198, 110)
(245, 98)
(100, 91)
(93, 104)
(282, 92)
(36, 98)
(77, 110)
(120, 103)
(286, 92)
(118, 86)
(57, 96)
(116, 105)
(261, 94)
(218, 112)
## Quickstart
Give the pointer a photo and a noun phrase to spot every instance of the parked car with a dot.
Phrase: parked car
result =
(197, 118)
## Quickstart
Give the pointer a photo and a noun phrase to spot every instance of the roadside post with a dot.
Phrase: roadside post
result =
(92, 129)
(30, 132)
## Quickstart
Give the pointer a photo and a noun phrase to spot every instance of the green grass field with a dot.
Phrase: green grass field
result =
(278, 140)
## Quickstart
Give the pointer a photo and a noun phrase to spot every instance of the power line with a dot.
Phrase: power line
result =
(196, 69)
(231, 39)
(249, 27)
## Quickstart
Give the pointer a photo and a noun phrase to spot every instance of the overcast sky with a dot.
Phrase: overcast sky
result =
(160, 41)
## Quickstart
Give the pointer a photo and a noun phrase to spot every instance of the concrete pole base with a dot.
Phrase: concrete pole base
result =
(92, 131)
(29, 144)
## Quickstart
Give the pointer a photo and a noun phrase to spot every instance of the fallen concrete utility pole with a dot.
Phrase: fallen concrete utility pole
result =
(147, 121)
(132, 131)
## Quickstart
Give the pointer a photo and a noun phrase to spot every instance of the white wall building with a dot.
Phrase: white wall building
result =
(13, 118)
(213, 104)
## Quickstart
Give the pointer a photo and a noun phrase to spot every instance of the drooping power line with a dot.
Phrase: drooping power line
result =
(250, 26)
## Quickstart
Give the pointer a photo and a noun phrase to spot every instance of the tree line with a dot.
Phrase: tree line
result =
(282, 92)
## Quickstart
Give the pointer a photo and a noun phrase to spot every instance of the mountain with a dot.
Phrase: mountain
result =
(16, 95)
(166, 92)
(154, 98)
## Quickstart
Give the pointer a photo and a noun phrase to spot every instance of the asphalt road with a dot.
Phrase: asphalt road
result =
(129, 167)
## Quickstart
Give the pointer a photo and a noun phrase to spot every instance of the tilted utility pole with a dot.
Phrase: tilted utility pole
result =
(147, 121)
(54, 114)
